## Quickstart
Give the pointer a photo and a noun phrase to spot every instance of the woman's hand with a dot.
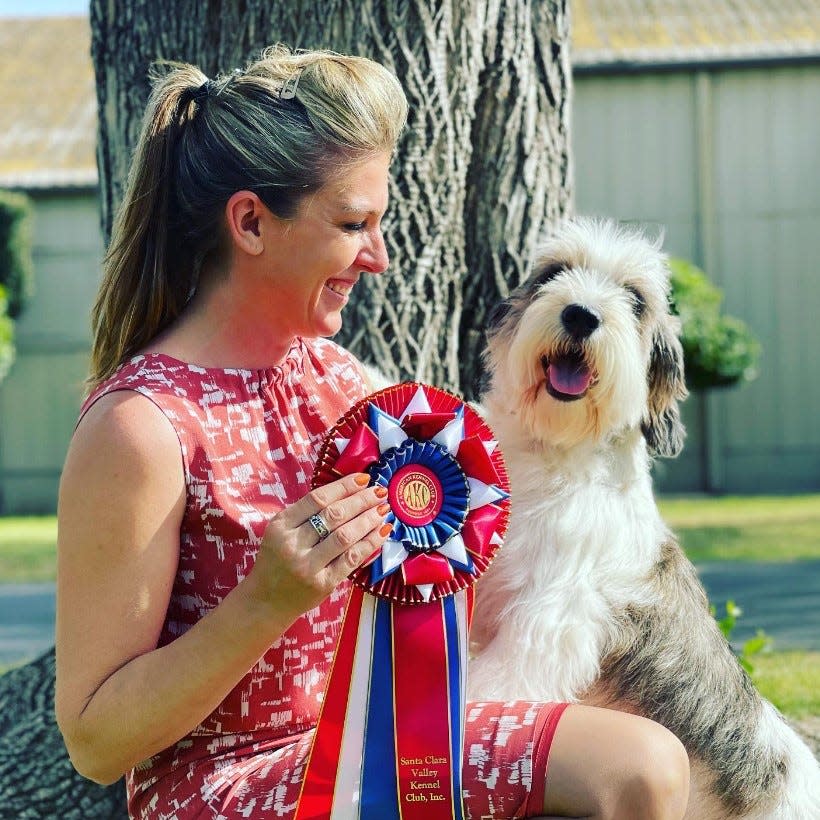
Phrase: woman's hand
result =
(296, 569)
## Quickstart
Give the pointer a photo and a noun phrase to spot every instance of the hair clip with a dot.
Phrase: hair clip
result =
(225, 80)
(288, 91)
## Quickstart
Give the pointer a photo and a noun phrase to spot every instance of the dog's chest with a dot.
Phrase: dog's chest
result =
(584, 525)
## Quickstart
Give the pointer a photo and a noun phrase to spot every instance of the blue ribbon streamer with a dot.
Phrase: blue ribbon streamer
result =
(457, 706)
(380, 786)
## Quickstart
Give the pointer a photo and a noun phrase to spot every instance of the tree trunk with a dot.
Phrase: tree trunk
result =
(37, 780)
(518, 181)
(483, 166)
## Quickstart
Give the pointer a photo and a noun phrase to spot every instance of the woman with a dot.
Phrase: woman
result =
(198, 605)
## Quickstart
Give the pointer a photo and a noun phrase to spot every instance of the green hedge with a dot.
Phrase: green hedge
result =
(6, 336)
(718, 350)
(16, 264)
(16, 268)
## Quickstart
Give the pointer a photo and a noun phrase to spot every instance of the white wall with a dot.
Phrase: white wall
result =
(40, 397)
(729, 162)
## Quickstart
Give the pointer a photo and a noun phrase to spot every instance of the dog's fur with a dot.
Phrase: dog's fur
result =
(591, 599)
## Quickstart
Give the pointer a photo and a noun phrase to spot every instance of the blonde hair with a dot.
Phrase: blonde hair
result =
(280, 128)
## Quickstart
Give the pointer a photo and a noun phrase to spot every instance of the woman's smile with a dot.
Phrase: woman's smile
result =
(340, 287)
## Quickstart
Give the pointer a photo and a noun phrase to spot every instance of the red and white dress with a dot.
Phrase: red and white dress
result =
(248, 442)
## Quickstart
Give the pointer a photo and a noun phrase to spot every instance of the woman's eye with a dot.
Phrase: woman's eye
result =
(354, 226)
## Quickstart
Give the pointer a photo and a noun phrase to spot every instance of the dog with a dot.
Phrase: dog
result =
(591, 599)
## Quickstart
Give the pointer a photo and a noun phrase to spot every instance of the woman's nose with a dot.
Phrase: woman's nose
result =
(373, 256)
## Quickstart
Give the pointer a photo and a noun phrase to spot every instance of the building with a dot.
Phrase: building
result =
(702, 118)
(47, 136)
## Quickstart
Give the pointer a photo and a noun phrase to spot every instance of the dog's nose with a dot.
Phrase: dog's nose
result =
(579, 321)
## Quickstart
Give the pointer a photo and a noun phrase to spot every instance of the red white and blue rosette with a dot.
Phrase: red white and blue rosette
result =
(390, 736)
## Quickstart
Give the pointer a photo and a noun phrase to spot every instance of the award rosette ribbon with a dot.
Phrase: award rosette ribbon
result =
(390, 735)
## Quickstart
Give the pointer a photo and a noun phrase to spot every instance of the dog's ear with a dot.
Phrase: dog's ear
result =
(662, 427)
(496, 317)
(522, 295)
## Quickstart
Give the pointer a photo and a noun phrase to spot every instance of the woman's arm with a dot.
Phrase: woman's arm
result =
(119, 699)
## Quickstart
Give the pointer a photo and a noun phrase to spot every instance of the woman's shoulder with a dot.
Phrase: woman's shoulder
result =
(127, 429)
(149, 374)
(327, 349)
(371, 375)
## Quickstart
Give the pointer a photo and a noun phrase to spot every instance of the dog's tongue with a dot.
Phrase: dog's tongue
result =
(569, 376)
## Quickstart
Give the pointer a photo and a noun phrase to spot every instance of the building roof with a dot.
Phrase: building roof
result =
(674, 32)
(48, 109)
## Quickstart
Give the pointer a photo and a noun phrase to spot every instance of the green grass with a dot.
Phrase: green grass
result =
(746, 528)
(790, 680)
(28, 549)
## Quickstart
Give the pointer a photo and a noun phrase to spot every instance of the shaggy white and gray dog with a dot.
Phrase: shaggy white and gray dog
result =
(591, 598)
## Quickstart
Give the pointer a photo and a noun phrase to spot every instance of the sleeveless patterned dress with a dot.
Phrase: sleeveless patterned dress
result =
(248, 442)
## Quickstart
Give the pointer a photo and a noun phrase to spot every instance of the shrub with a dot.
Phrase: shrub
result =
(16, 268)
(718, 350)
(16, 264)
(761, 642)
(6, 337)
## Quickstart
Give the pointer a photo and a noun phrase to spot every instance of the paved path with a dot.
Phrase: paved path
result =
(782, 599)
(26, 621)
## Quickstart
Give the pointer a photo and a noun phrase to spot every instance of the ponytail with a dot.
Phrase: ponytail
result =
(143, 287)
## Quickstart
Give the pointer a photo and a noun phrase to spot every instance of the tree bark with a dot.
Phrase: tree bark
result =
(519, 178)
(37, 780)
(482, 169)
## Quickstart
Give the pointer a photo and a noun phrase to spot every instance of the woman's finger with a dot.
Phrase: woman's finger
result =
(349, 536)
(326, 521)
(318, 499)
(342, 565)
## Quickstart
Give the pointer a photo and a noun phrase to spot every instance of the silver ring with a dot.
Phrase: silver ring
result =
(318, 523)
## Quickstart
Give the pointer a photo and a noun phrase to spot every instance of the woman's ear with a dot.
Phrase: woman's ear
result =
(243, 214)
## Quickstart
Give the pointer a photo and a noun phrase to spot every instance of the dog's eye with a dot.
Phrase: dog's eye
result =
(638, 302)
(548, 274)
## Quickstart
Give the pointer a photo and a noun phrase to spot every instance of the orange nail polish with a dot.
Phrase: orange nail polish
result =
(362, 479)
(380, 491)
(385, 529)
(383, 509)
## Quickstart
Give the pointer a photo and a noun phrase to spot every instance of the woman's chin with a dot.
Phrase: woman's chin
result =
(328, 325)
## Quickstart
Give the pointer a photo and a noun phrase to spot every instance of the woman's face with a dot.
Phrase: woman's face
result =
(317, 257)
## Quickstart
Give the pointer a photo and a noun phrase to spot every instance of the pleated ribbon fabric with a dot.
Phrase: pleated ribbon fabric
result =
(391, 731)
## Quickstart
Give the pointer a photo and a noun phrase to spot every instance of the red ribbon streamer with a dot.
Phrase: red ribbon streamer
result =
(316, 799)
(422, 714)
